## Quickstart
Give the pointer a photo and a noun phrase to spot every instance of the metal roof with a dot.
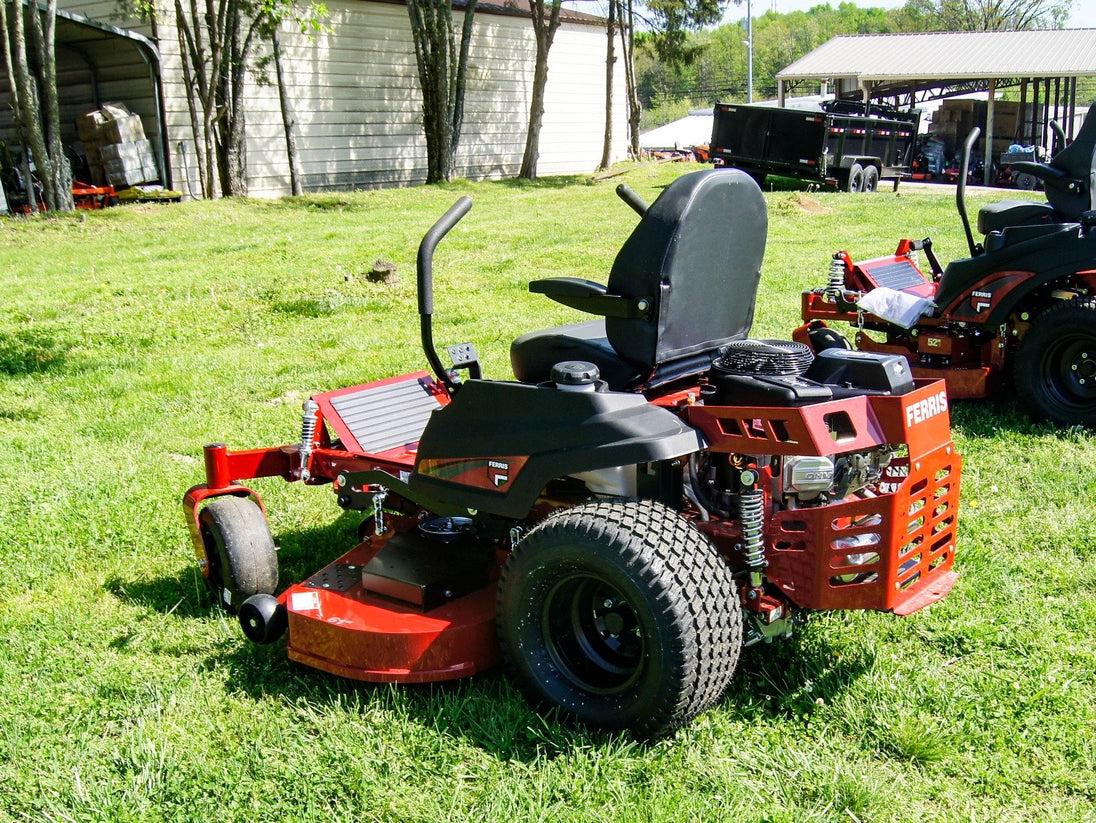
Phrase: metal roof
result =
(953, 55)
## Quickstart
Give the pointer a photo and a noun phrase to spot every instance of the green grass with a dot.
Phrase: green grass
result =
(133, 336)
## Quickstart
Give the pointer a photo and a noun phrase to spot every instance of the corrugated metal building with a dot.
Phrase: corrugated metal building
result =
(355, 89)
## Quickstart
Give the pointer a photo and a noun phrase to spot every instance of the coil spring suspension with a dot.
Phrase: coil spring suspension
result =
(751, 510)
(835, 283)
(308, 435)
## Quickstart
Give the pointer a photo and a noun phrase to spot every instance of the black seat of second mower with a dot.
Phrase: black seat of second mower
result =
(682, 285)
(1069, 181)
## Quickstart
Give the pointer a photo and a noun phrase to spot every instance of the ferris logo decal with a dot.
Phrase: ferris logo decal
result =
(981, 300)
(499, 472)
(929, 407)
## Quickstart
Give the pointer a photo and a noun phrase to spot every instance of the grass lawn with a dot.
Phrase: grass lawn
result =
(133, 336)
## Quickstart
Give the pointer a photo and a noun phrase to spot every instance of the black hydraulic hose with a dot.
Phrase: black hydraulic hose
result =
(425, 267)
(961, 188)
(638, 204)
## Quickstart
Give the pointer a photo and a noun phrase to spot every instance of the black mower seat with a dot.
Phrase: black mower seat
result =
(682, 286)
(1069, 179)
(538, 351)
(999, 216)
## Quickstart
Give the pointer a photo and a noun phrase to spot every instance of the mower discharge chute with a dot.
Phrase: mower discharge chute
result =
(1023, 305)
(653, 492)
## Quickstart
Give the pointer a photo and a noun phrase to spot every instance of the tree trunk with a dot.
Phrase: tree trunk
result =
(8, 38)
(289, 118)
(627, 47)
(30, 126)
(192, 105)
(544, 30)
(235, 161)
(462, 74)
(610, 58)
(57, 168)
(442, 80)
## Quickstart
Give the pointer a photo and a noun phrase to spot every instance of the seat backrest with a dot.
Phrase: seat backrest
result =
(1078, 161)
(696, 258)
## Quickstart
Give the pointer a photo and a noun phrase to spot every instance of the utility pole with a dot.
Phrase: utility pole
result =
(749, 53)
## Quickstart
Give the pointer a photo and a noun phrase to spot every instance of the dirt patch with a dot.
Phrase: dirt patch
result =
(802, 203)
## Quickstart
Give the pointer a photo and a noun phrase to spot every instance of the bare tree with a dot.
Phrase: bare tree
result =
(443, 73)
(628, 52)
(610, 59)
(38, 119)
(289, 117)
(216, 38)
(545, 23)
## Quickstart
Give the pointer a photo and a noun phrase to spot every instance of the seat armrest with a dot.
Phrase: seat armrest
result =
(590, 297)
(1040, 170)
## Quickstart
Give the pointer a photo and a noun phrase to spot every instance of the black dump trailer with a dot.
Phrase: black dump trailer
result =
(847, 144)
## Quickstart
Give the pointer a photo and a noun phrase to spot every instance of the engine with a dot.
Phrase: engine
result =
(781, 374)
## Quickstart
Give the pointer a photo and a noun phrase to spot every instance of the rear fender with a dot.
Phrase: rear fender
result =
(497, 445)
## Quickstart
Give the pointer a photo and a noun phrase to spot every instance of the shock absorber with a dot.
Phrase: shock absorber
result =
(309, 420)
(835, 282)
(751, 511)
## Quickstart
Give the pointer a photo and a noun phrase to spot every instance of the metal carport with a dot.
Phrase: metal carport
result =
(99, 63)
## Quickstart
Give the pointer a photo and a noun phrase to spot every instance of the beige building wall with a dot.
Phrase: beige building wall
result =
(358, 106)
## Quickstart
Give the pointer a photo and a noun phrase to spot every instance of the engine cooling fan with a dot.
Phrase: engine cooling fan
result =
(777, 358)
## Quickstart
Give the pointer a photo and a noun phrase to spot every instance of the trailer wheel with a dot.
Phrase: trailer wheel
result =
(871, 179)
(1055, 371)
(239, 550)
(1025, 181)
(855, 181)
(622, 614)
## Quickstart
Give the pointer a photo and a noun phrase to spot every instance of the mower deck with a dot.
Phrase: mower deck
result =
(338, 626)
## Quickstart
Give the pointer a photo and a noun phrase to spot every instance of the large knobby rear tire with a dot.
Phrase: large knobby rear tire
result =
(242, 558)
(622, 614)
(1055, 372)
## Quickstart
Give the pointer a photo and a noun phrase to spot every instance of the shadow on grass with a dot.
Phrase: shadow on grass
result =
(486, 711)
(185, 594)
(790, 678)
(31, 351)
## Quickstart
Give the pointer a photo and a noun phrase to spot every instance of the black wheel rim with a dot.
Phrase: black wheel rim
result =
(592, 634)
(1069, 367)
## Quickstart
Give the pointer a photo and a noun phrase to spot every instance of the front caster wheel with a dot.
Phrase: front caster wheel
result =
(621, 614)
(240, 555)
(1055, 372)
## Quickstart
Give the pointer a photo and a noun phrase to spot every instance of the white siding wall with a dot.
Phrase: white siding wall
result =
(359, 111)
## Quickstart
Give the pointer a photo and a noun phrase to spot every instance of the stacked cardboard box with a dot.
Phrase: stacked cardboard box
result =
(955, 118)
(115, 145)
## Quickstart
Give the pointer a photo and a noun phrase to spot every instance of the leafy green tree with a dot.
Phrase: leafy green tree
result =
(989, 15)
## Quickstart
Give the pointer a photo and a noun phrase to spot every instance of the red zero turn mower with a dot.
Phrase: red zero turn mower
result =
(655, 490)
(1022, 305)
